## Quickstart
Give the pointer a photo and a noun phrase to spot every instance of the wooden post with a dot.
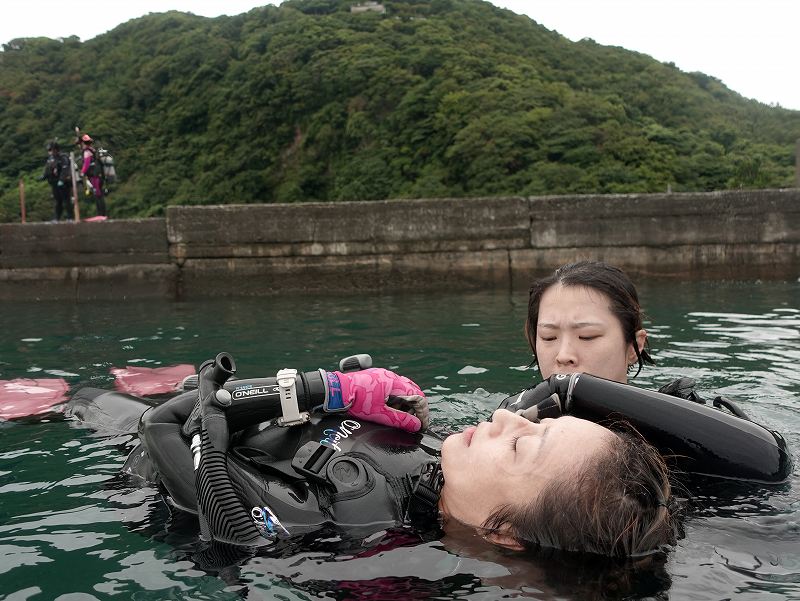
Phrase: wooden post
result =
(76, 206)
(22, 199)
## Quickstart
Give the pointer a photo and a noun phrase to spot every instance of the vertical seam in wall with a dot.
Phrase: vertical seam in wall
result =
(178, 292)
(528, 240)
(76, 279)
(510, 273)
(174, 259)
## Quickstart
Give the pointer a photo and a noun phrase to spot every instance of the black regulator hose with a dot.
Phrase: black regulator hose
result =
(221, 512)
(697, 438)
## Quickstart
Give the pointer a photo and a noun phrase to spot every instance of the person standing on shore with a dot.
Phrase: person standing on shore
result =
(92, 170)
(57, 174)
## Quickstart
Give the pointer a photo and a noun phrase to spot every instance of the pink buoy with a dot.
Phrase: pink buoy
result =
(146, 381)
(24, 397)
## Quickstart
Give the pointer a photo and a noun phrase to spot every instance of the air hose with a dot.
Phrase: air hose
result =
(222, 515)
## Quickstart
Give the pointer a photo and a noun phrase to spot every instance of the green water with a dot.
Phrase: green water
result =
(70, 529)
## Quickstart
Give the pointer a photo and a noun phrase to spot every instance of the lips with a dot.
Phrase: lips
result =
(468, 434)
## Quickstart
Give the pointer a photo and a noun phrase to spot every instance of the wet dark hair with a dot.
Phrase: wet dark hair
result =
(611, 281)
(616, 504)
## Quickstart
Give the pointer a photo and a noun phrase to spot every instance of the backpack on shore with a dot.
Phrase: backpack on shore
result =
(106, 170)
(102, 165)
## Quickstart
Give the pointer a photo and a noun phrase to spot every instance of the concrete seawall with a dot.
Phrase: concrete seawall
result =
(230, 250)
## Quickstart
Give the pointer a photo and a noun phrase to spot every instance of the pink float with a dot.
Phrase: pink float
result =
(23, 397)
(146, 381)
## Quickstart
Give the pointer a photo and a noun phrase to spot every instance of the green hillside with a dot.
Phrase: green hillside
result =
(308, 101)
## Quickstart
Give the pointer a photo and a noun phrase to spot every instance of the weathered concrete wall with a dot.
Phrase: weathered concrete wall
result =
(405, 244)
(410, 244)
(113, 259)
(134, 241)
(349, 228)
(730, 235)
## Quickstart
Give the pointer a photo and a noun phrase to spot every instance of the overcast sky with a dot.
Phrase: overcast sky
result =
(751, 45)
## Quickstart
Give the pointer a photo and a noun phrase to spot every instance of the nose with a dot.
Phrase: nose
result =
(566, 356)
(507, 420)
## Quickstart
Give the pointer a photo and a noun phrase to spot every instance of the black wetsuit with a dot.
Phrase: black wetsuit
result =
(333, 470)
(57, 172)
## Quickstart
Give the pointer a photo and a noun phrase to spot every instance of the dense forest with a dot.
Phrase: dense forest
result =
(432, 98)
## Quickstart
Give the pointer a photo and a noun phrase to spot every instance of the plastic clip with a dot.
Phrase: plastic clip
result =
(288, 391)
(311, 460)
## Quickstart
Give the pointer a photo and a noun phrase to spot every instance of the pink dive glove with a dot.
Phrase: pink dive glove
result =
(378, 395)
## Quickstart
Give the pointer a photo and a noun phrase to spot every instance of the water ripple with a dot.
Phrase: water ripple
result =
(72, 530)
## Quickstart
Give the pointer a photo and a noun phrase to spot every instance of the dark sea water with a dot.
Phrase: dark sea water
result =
(72, 530)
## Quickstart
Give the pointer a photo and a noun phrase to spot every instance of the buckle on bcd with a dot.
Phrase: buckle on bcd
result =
(311, 460)
(342, 472)
(287, 388)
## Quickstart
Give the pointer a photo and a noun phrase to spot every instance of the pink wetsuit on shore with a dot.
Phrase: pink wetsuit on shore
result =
(88, 155)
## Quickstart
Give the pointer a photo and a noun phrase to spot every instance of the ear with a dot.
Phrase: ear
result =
(639, 339)
(501, 539)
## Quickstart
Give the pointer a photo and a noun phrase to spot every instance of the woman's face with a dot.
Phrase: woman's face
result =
(577, 332)
(510, 460)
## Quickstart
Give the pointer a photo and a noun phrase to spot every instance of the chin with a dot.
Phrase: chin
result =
(452, 447)
(447, 442)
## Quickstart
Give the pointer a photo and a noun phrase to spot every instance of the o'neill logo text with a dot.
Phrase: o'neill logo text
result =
(251, 391)
(334, 435)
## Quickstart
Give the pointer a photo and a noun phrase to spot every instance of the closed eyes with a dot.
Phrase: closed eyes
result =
(553, 338)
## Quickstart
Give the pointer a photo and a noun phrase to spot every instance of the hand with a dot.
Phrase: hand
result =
(683, 388)
(541, 401)
(530, 397)
(372, 394)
